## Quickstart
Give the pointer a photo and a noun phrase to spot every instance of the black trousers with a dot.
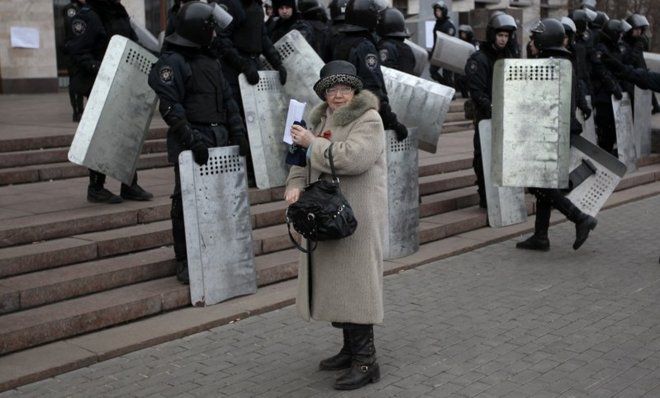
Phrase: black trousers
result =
(478, 165)
(605, 126)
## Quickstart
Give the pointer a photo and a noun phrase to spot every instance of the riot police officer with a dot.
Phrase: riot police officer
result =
(465, 33)
(359, 48)
(92, 27)
(314, 26)
(393, 52)
(605, 84)
(549, 37)
(76, 99)
(442, 24)
(479, 72)
(196, 102)
(582, 48)
(635, 43)
(570, 30)
(286, 16)
(338, 16)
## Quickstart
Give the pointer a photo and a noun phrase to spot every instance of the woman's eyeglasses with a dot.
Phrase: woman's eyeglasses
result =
(343, 90)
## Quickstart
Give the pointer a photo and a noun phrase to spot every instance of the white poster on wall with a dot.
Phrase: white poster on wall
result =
(24, 37)
(429, 25)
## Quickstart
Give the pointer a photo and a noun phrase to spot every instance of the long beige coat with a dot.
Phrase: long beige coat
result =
(347, 274)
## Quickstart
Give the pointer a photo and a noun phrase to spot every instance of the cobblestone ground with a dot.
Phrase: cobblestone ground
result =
(493, 322)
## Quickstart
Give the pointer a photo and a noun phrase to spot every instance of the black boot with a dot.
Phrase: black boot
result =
(182, 272)
(364, 368)
(135, 192)
(584, 223)
(96, 193)
(340, 361)
(539, 241)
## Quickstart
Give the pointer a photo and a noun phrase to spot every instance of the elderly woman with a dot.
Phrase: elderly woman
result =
(346, 286)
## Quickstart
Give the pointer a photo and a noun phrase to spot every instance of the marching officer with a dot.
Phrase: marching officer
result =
(548, 38)
(479, 72)
(394, 53)
(199, 118)
(359, 48)
(442, 24)
(92, 27)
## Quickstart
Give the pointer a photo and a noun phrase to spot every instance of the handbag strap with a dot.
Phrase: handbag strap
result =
(295, 242)
(332, 164)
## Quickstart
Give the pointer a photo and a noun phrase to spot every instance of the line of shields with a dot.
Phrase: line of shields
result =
(221, 261)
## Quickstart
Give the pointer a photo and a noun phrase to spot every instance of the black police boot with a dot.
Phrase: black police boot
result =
(340, 361)
(584, 223)
(182, 272)
(135, 192)
(364, 368)
(96, 193)
(539, 241)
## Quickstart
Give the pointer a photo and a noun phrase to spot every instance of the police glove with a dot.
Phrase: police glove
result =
(283, 74)
(401, 131)
(586, 112)
(251, 74)
(200, 152)
(243, 144)
(617, 93)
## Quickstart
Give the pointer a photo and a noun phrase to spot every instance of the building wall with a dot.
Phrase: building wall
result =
(21, 69)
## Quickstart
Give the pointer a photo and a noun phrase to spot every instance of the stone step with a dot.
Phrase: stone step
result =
(267, 209)
(58, 141)
(56, 171)
(270, 234)
(59, 155)
(457, 126)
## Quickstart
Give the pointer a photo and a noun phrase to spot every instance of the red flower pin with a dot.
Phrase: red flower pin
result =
(326, 134)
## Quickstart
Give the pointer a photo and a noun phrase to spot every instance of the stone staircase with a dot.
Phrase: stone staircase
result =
(68, 267)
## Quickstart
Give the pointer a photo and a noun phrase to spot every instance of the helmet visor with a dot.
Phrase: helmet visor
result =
(221, 17)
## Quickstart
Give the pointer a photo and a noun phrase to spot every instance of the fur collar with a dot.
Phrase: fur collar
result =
(343, 116)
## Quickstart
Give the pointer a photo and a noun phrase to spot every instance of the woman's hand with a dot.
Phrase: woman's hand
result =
(301, 136)
(292, 195)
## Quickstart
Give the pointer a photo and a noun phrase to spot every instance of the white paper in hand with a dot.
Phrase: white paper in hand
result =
(295, 114)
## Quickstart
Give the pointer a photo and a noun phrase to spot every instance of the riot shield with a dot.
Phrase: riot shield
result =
(145, 38)
(652, 61)
(506, 205)
(592, 193)
(303, 66)
(418, 103)
(116, 119)
(402, 196)
(421, 57)
(218, 229)
(531, 122)
(266, 106)
(625, 133)
(588, 126)
(451, 53)
(642, 121)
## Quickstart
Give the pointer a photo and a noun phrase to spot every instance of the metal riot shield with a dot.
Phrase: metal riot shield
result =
(266, 107)
(402, 196)
(116, 119)
(216, 213)
(506, 205)
(652, 61)
(303, 66)
(588, 126)
(592, 193)
(421, 57)
(145, 38)
(451, 53)
(418, 103)
(531, 122)
(642, 121)
(625, 134)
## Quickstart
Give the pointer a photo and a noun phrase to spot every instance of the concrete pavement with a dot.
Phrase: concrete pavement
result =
(494, 322)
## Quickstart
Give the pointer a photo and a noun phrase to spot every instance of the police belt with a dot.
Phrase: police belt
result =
(206, 124)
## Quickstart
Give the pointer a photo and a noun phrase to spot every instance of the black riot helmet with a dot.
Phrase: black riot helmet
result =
(638, 21)
(196, 22)
(467, 29)
(589, 4)
(548, 35)
(338, 10)
(600, 20)
(363, 15)
(613, 30)
(500, 22)
(581, 19)
(441, 6)
(310, 8)
(569, 27)
(392, 24)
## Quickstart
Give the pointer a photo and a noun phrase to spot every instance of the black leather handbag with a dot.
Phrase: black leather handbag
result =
(321, 212)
